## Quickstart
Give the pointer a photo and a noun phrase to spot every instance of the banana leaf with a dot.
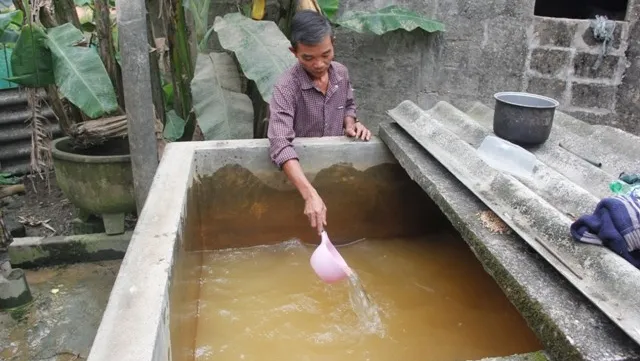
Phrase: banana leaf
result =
(9, 37)
(261, 48)
(12, 17)
(80, 74)
(222, 110)
(387, 19)
(174, 126)
(31, 61)
(329, 7)
(200, 11)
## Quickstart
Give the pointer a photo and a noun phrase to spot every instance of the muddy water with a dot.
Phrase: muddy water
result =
(434, 299)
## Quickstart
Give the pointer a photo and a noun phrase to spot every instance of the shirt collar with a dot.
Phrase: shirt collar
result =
(306, 82)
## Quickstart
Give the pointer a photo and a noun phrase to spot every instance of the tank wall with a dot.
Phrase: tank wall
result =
(208, 195)
(244, 200)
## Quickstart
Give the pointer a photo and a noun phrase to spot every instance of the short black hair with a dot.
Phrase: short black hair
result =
(309, 27)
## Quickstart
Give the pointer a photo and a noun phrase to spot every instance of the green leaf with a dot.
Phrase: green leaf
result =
(388, 19)
(8, 179)
(174, 126)
(222, 111)
(246, 10)
(9, 36)
(6, 19)
(200, 11)
(80, 74)
(261, 48)
(167, 91)
(329, 7)
(31, 61)
(83, 2)
(89, 27)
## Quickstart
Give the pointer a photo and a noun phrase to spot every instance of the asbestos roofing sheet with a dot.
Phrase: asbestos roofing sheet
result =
(542, 208)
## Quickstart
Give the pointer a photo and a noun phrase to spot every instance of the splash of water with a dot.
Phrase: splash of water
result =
(364, 307)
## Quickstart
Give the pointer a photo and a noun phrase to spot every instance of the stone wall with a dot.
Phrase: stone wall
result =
(489, 46)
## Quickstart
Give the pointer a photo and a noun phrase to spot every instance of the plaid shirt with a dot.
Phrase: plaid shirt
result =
(299, 109)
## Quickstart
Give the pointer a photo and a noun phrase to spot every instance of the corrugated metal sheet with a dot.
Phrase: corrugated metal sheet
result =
(15, 135)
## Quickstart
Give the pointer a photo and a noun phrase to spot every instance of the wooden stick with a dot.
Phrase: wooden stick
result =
(11, 190)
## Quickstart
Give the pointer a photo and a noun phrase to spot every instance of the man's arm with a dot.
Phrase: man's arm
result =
(281, 134)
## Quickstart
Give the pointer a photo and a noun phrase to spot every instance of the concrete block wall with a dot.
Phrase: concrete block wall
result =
(561, 64)
(482, 51)
(492, 46)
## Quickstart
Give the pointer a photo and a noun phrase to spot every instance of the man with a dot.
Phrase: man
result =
(312, 99)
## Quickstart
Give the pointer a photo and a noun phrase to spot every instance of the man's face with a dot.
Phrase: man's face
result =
(315, 59)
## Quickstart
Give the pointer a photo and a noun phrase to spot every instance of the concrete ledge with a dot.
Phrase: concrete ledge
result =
(32, 252)
(534, 356)
(568, 325)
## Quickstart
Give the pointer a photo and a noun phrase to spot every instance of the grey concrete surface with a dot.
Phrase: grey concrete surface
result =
(28, 252)
(536, 356)
(567, 323)
(137, 80)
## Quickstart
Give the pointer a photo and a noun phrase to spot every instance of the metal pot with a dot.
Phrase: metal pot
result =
(523, 118)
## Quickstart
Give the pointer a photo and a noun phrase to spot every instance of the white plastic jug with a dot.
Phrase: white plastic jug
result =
(506, 156)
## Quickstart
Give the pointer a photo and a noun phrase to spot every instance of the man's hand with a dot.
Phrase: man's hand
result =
(316, 211)
(314, 206)
(357, 130)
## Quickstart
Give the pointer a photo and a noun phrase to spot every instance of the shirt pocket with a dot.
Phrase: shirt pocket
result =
(337, 104)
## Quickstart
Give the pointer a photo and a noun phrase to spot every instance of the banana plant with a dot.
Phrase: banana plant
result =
(262, 51)
(60, 56)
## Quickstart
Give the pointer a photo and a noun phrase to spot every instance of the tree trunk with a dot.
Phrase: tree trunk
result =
(181, 65)
(19, 5)
(107, 51)
(47, 18)
(65, 12)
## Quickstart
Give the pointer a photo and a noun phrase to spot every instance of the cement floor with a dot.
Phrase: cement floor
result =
(61, 323)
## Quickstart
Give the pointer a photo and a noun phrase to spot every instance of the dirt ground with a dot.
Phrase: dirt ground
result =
(43, 210)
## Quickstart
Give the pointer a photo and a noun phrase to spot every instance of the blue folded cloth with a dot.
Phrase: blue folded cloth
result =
(615, 224)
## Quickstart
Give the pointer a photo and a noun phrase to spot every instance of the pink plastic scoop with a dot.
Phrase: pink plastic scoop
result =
(327, 262)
